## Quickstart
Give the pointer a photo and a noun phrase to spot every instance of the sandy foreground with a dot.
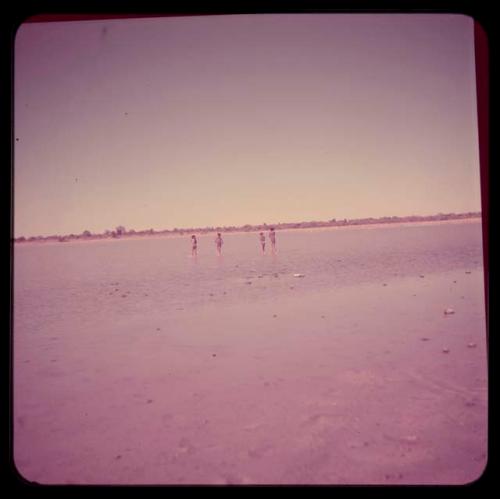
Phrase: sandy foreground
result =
(344, 386)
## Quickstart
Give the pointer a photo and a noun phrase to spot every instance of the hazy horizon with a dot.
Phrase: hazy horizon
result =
(270, 224)
(230, 120)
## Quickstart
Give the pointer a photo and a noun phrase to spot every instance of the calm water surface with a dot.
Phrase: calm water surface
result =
(84, 280)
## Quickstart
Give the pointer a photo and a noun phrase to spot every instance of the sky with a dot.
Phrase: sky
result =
(242, 119)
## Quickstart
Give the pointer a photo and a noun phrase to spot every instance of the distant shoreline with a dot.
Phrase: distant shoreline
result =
(349, 224)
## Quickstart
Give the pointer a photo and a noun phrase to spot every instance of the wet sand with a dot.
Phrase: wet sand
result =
(368, 384)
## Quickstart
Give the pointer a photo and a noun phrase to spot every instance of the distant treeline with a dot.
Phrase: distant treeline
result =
(121, 232)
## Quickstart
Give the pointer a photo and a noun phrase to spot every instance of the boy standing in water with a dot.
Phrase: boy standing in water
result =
(218, 243)
(262, 238)
(194, 247)
(272, 237)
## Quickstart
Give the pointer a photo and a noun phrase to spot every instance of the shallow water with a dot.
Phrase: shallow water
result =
(320, 379)
(128, 276)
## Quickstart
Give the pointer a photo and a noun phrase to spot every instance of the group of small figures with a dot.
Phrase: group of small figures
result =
(219, 242)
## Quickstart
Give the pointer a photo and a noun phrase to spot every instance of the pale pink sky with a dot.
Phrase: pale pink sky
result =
(227, 120)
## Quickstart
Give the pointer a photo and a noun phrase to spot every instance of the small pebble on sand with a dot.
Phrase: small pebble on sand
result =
(411, 439)
(214, 355)
(472, 345)
(422, 275)
(424, 339)
(385, 284)
(449, 311)
(467, 271)
(298, 275)
(446, 350)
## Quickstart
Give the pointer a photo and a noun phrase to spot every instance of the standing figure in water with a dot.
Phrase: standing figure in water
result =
(218, 243)
(262, 238)
(272, 237)
(194, 245)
